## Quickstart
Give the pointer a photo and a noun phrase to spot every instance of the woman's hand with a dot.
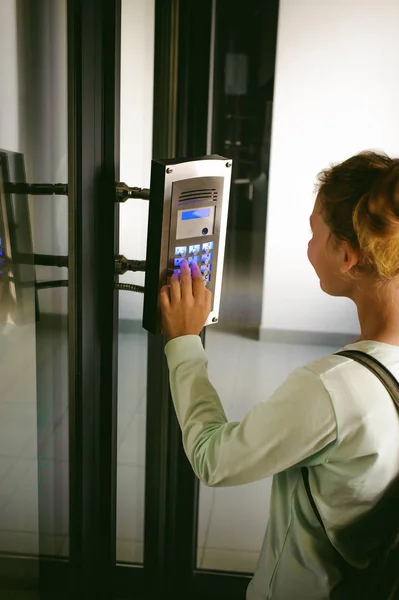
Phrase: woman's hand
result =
(185, 303)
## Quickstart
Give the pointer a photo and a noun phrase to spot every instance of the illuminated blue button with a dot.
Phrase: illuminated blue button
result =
(181, 251)
(192, 259)
(177, 271)
(1, 251)
(206, 279)
(177, 262)
(206, 258)
(207, 247)
(195, 249)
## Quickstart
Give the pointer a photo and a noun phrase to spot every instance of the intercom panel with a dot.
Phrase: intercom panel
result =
(187, 219)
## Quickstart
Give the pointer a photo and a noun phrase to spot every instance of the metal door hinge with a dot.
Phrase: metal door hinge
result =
(123, 264)
(123, 192)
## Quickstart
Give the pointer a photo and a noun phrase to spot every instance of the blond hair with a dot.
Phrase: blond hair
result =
(360, 203)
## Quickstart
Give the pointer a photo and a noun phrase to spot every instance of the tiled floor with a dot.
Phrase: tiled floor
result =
(33, 440)
(34, 435)
(18, 418)
(132, 383)
(232, 521)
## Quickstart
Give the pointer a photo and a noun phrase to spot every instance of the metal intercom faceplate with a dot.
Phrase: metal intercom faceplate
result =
(187, 219)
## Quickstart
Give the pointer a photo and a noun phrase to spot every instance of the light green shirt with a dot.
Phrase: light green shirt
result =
(333, 416)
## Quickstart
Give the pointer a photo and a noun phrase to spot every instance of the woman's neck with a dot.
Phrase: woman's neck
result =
(378, 312)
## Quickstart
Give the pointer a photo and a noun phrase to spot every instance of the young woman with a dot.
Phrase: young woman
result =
(332, 416)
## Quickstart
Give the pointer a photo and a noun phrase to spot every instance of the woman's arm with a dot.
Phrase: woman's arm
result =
(297, 422)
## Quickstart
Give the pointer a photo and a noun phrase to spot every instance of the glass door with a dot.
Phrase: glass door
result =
(166, 111)
(232, 522)
(34, 307)
(59, 161)
(97, 498)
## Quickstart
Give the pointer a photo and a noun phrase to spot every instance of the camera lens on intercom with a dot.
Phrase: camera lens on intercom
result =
(205, 231)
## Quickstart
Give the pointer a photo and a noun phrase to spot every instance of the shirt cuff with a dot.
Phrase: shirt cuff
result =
(183, 349)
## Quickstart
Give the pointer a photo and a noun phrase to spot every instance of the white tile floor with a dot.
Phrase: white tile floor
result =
(18, 513)
(231, 520)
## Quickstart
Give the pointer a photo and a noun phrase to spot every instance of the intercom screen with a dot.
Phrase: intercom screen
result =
(195, 222)
(196, 214)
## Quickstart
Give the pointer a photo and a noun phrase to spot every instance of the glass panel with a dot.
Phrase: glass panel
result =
(33, 299)
(297, 322)
(232, 522)
(137, 65)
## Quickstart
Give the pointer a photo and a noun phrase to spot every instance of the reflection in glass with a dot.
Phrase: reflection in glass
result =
(33, 297)
(232, 522)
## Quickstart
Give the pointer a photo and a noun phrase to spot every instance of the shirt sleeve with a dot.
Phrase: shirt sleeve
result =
(295, 423)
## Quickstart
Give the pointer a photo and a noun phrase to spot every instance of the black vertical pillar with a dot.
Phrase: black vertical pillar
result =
(191, 136)
(158, 400)
(181, 85)
(93, 128)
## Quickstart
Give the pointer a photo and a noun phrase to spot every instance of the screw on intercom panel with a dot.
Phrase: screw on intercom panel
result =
(214, 320)
(169, 170)
(228, 164)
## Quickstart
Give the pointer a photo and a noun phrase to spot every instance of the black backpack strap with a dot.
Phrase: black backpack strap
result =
(305, 477)
(387, 379)
(372, 364)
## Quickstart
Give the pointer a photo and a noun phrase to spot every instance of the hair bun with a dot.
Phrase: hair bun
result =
(376, 222)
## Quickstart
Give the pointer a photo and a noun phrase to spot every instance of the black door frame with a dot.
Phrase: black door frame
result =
(181, 85)
(93, 132)
(93, 228)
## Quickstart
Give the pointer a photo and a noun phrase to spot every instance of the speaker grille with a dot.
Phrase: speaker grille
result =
(198, 195)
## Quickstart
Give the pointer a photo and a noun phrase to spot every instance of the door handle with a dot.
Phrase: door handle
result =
(250, 186)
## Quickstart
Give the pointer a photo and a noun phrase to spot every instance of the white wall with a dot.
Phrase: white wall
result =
(137, 83)
(9, 122)
(336, 93)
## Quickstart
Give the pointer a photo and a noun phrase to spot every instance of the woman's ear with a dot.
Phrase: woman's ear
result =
(350, 257)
